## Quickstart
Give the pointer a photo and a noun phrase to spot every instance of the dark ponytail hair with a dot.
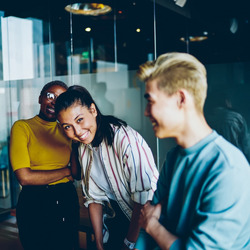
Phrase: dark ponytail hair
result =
(79, 95)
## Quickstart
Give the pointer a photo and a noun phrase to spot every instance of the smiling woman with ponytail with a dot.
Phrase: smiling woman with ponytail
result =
(118, 170)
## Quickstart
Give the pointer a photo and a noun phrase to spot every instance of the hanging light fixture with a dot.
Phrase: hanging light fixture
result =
(88, 9)
(196, 37)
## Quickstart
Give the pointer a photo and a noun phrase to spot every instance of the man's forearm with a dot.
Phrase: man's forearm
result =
(160, 234)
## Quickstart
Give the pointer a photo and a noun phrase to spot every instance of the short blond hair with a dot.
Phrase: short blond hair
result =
(174, 71)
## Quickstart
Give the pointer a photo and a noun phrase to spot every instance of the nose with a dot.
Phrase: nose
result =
(53, 101)
(77, 130)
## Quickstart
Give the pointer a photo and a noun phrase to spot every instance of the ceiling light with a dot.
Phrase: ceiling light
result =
(88, 9)
(194, 38)
(197, 38)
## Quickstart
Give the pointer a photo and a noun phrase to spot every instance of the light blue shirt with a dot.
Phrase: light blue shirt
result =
(206, 190)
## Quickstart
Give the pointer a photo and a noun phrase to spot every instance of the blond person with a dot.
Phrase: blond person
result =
(202, 199)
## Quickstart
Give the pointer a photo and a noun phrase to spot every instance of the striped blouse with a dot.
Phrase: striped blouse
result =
(129, 166)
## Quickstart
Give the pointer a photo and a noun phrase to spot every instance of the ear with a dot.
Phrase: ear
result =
(93, 109)
(182, 98)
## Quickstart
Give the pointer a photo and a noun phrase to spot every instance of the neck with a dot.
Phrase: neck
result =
(194, 130)
(43, 117)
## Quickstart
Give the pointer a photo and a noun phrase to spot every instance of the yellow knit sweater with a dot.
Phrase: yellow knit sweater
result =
(39, 145)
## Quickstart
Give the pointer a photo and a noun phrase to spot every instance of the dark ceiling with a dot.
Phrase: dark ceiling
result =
(225, 21)
(201, 9)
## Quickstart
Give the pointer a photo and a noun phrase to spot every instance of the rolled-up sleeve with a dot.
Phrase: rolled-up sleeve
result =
(139, 167)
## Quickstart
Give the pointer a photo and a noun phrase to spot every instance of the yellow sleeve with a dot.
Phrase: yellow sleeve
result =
(19, 139)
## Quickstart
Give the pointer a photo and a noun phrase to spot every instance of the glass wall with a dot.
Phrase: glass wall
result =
(40, 42)
(218, 34)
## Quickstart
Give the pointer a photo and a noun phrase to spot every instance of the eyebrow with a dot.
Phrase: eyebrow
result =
(77, 116)
(74, 120)
(62, 124)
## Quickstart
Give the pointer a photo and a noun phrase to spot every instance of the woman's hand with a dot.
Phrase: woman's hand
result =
(70, 178)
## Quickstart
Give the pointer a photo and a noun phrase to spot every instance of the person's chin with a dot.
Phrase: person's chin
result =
(156, 130)
(156, 133)
(159, 134)
(85, 141)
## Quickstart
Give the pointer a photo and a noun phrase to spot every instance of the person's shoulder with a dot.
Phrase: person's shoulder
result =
(228, 167)
(129, 132)
(126, 135)
(229, 154)
(22, 123)
(122, 130)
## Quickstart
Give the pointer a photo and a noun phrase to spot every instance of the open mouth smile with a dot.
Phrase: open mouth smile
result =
(51, 110)
(83, 136)
(153, 122)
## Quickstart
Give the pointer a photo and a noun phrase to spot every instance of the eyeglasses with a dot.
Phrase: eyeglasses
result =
(51, 96)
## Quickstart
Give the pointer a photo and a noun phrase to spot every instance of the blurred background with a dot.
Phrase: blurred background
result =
(101, 45)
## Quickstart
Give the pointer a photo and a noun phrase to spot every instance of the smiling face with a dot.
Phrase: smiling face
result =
(79, 122)
(163, 110)
(47, 108)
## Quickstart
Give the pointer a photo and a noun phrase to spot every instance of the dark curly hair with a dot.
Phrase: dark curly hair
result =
(53, 83)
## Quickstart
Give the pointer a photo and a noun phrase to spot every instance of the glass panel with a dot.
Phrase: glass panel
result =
(227, 106)
(226, 55)
(25, 56)
(135, 32)
(225, 52)
(41, 42)
(171, 30)
(93, 43)
(5, 171)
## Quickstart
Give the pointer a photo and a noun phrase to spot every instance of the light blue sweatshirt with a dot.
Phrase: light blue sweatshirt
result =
(206, 190)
